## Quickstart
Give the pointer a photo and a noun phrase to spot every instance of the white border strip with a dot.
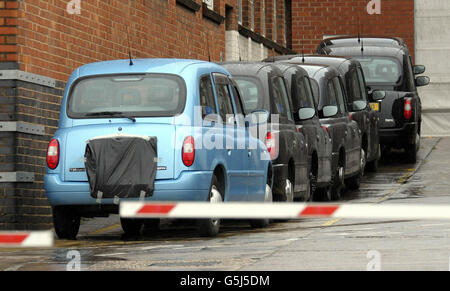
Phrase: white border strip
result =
(282, 210)
(34, 239)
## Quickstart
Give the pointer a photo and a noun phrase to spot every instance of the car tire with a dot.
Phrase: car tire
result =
(210, 227)
(66, 222)
(151, 225)
(411, 150)
(131, 226)
(354, 182)
(289, 191)
(372, 166)
(323, 194)
(261, 223)
(337, 184)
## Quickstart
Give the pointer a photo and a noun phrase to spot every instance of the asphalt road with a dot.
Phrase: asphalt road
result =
(310, 244)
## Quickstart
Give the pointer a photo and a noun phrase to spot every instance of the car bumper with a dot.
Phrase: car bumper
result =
(399, 136)
(190, 186)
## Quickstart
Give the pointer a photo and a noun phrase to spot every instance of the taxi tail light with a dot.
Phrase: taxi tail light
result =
(407, 110)
(188, 153)
(53, 154)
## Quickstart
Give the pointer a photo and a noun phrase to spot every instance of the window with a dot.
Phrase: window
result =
(353, 87)
(251, 7)
(207, 101)
(240, 13)
(362, 84)
(288, 23)
(252, 93)
(304, 92)
(330, 99)
(274, 36)
(224, 99)
(381, 70)
(239, 106)
(147, 95)
(340, 95)
(263, 18)
(209, 4)
(281, 98)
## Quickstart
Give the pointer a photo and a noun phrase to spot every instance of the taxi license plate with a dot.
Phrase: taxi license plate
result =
(375, 106)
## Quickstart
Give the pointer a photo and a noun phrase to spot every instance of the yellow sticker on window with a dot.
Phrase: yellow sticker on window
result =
(375, 106)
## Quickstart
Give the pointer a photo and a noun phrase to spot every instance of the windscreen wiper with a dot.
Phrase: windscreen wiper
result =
(112, 114)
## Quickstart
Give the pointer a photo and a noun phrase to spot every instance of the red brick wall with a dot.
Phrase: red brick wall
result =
(313, 19)
(8, 30)
(53, 43)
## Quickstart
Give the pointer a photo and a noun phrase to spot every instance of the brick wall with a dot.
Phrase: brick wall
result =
(8, 30)
(314, 19)
(53, 43)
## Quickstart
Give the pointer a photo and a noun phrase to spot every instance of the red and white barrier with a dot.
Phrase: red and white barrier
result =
(24, 239)
(231, 210)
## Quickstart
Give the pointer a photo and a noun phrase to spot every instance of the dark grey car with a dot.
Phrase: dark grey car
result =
(358, 101)
(263, 87)
(347, 158)
(387, 65)
(307, 120)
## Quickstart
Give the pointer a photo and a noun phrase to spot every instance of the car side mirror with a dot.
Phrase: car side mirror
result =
(422, 81)
(258, 117)
(329, 111)
(359, 105)
(419, 69)
(306, 113)
(378, 95)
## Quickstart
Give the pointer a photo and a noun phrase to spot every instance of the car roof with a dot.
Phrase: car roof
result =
(174, 66)
(250, 68)
(397, 52)
(367, 40)
(312, 69)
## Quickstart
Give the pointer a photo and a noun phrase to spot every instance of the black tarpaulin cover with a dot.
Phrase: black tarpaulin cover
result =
(121, 166)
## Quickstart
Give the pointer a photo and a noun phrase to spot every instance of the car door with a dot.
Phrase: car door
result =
(351, 134)
(251, 151)
(236, 162)
(372, 119)
(323, 143)
(291, 141)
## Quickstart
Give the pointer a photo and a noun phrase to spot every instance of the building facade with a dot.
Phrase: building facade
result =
(42, 42)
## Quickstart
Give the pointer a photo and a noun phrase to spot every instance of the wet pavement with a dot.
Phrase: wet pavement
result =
(310, 244)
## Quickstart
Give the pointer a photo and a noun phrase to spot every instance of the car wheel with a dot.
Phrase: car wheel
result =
(372, 166)
(354, 182)
(411, 150)
(261, 223)
(312, 187)
(131, 226)
(338, 183)
(151, 225)
(323, 194)
(289, 191)
(66, 222)
(210, 227)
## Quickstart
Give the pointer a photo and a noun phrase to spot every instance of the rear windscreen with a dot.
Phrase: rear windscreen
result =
(147, 95)
(381, 70)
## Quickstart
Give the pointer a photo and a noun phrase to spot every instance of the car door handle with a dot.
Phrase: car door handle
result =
(249, 153)
(229, 152)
